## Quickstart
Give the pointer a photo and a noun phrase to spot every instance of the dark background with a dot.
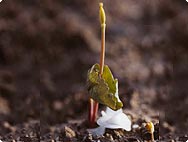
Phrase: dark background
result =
(47, 47)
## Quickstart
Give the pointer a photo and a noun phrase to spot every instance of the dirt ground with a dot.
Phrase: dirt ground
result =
(47, 47)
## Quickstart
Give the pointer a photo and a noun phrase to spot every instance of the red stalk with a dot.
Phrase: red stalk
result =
(93, 105)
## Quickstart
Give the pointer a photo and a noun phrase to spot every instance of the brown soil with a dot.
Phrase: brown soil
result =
(47, 47)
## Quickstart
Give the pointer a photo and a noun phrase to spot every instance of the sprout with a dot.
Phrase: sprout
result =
(103, 88)
(150, 127)
(93, 105)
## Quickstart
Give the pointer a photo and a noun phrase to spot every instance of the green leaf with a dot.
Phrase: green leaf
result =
(103, 89)
(93, 74)
(109, 79)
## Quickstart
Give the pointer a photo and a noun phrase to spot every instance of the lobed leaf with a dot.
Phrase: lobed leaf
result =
(103, 89)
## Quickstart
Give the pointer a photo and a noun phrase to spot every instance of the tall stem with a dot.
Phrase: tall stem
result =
(93, 104)
(102, 56)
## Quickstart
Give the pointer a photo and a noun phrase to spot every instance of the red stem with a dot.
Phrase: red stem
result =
(93, 104)
(93, 109)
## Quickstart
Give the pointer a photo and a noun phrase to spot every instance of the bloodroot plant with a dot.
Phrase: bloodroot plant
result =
(103, 89)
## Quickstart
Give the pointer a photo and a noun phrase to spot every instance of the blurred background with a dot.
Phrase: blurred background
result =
(47, 47)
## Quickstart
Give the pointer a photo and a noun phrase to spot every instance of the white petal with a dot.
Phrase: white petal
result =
(114, 120)
(103, 119)
(106, 116)
(103, 113)
(111, 112)
(119, 121)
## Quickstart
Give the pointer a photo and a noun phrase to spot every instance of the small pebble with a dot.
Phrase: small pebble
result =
(135, 126)
(69, 133)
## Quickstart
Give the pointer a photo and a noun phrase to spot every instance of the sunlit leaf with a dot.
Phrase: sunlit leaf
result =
(103, 89)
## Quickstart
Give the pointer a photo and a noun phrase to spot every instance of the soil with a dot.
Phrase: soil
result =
(46, 49)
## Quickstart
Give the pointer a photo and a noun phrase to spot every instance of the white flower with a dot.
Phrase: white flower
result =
(112, 120)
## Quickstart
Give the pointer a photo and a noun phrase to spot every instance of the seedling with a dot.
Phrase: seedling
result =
(102, 86)
(150, 127)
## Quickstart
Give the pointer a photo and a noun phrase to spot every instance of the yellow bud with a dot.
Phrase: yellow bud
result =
(102, 15)
(150, 127)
